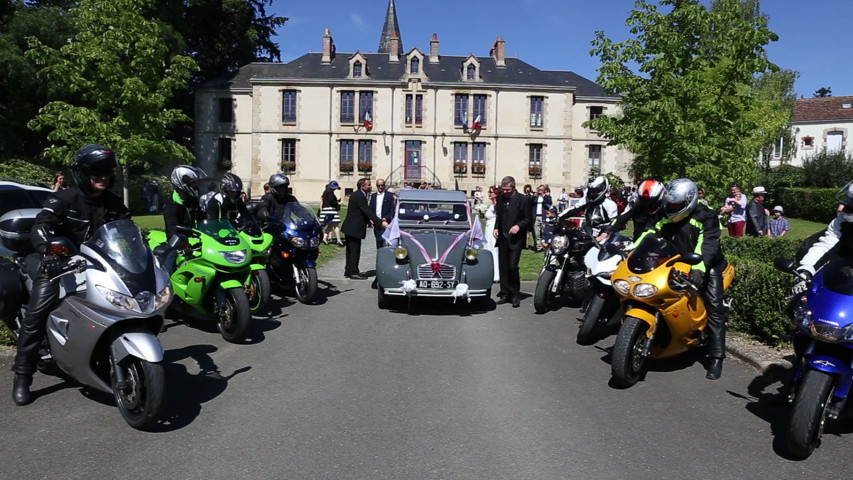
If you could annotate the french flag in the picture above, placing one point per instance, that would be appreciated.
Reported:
(476, 126)
(368, 120)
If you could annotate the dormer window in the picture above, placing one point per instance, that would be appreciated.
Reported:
(471, 72)
(415, 66)
(356, 70)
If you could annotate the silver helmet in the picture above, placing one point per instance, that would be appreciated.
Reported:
(185, 179)
(597, 188)
(680, 199)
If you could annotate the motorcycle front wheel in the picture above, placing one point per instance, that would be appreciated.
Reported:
(543, 297)
(809, 413)
(259, 291)
(233, 321)
(589, 331)
(141, 401)
(628, 359)
(306, 284)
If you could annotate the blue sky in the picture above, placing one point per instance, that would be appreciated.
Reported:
(815, 37)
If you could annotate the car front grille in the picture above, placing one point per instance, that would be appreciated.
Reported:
(445, 271)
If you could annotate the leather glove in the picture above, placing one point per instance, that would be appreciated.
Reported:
(801, 285)
(697, 278)
(50, 266)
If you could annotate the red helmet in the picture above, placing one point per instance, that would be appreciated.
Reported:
(650, 195)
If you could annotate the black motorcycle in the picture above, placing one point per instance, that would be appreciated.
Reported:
(564, 272)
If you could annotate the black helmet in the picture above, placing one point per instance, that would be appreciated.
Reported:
(93, 159)
(279, 180)
(230, 186)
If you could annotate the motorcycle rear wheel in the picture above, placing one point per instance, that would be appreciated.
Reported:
(543, 297)
(259, 291)
(306, 286)
(140, 403)
(237, 316)
(808, 414)
(589, 331)
(628, 359)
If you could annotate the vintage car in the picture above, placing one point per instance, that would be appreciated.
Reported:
(433, 250)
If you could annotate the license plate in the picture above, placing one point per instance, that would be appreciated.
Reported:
(437, 283)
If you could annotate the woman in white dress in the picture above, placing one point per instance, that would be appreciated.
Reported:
(491, 217)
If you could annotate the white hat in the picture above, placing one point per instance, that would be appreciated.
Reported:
(778, 208)
(757, 190)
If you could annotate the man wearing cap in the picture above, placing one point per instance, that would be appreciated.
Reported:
(778, 225)
(756, 215)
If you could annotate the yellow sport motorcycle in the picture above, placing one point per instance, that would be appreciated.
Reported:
(664, 312)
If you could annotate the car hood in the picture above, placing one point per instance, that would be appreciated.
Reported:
(436, 244)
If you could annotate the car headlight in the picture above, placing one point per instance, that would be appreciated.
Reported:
(559, 243)
(622, 287)
(298, 242)
(236, 256)
(117, 299)
(643, 290)
(163, 298)
(471, 253)
(401, 253)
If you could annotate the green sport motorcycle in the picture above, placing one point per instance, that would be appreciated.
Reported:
(260, 243)
(213, 275)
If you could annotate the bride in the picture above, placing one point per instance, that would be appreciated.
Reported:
(490, 227)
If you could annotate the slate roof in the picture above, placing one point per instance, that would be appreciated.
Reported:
(822, 109)
(447, 70)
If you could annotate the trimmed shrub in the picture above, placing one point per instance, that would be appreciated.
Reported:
(815, 204)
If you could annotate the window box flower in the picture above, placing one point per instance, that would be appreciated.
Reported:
(225, 164)
(534, 171)
(478, 169)
(365, 167)
(288, 166)
(460, 168)
(347, 167)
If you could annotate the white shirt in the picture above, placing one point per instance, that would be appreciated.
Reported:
(380, 196)
(539, 202)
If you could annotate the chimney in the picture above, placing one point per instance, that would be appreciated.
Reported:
(433, 49)
(328, 48)
(394, 50)
(499, 53)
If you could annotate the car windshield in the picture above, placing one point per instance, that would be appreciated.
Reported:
(652, 252)
(12, 199)
(297, 216)
(444, 213)
(121, 242)
(838, 277)
(221, 230)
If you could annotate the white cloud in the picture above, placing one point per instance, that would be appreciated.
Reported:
(357, 21)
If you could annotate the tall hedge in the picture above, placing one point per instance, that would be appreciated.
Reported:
(815, 204)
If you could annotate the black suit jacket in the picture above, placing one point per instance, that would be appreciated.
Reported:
(358, 215)
(513, 211)
(387, 213)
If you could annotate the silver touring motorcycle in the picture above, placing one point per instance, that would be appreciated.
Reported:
(103, 331)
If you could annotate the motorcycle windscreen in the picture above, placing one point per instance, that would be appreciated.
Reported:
(652, 252)
(299, 217)
(122, 245)
(838, 276)
(220, 230)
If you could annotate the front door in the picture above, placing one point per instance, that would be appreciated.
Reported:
(413, 160)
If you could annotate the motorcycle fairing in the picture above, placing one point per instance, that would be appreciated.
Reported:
(842, 372)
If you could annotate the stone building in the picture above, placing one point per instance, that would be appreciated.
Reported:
(411, 117)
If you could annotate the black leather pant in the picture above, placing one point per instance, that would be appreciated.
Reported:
(718, 313)
(33, 327)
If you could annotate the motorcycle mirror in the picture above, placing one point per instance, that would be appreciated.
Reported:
(691, 258)
(612, 248)
(785, 265)
(178, 241)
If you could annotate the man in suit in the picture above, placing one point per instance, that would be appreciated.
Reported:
(354, 227)
(381, 203)
(513, 220)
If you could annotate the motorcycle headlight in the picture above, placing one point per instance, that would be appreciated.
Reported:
(559, 243)
(471, 253)
(401, 253)
(801, 316)
(315, 241)
(163, 298)
(297, 242)
(118, 300)
(236, 256)
(622, 287)
(643, 290)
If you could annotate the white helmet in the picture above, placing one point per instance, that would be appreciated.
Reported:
(597, 188)
(681, 197)
(650, 195)
(185, 179)
(845, 195)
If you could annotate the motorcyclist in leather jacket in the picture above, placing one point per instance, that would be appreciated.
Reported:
(693, 227)
(645, 212)
(227, 204)
(598, 209)
(274, 204)
(184, 208)
(75, 213)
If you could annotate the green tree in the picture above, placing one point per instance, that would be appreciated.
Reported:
(120, 71)
(776, 95)
(689, 109)
(823, 92)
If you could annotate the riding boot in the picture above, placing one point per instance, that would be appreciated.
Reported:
(715, 368)
(21, 389)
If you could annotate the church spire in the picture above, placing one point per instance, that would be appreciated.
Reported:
(389, 29)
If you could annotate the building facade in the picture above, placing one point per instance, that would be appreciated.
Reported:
(412, 118)
(818, 125)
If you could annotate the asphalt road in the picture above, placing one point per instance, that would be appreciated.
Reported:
(343, 390)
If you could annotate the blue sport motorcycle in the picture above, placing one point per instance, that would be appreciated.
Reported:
(293, 259)
(823, 341)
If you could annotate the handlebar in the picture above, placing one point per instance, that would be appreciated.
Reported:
(684, 280)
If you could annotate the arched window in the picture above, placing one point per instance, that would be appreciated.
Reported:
(471, 73)
(356, 70)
